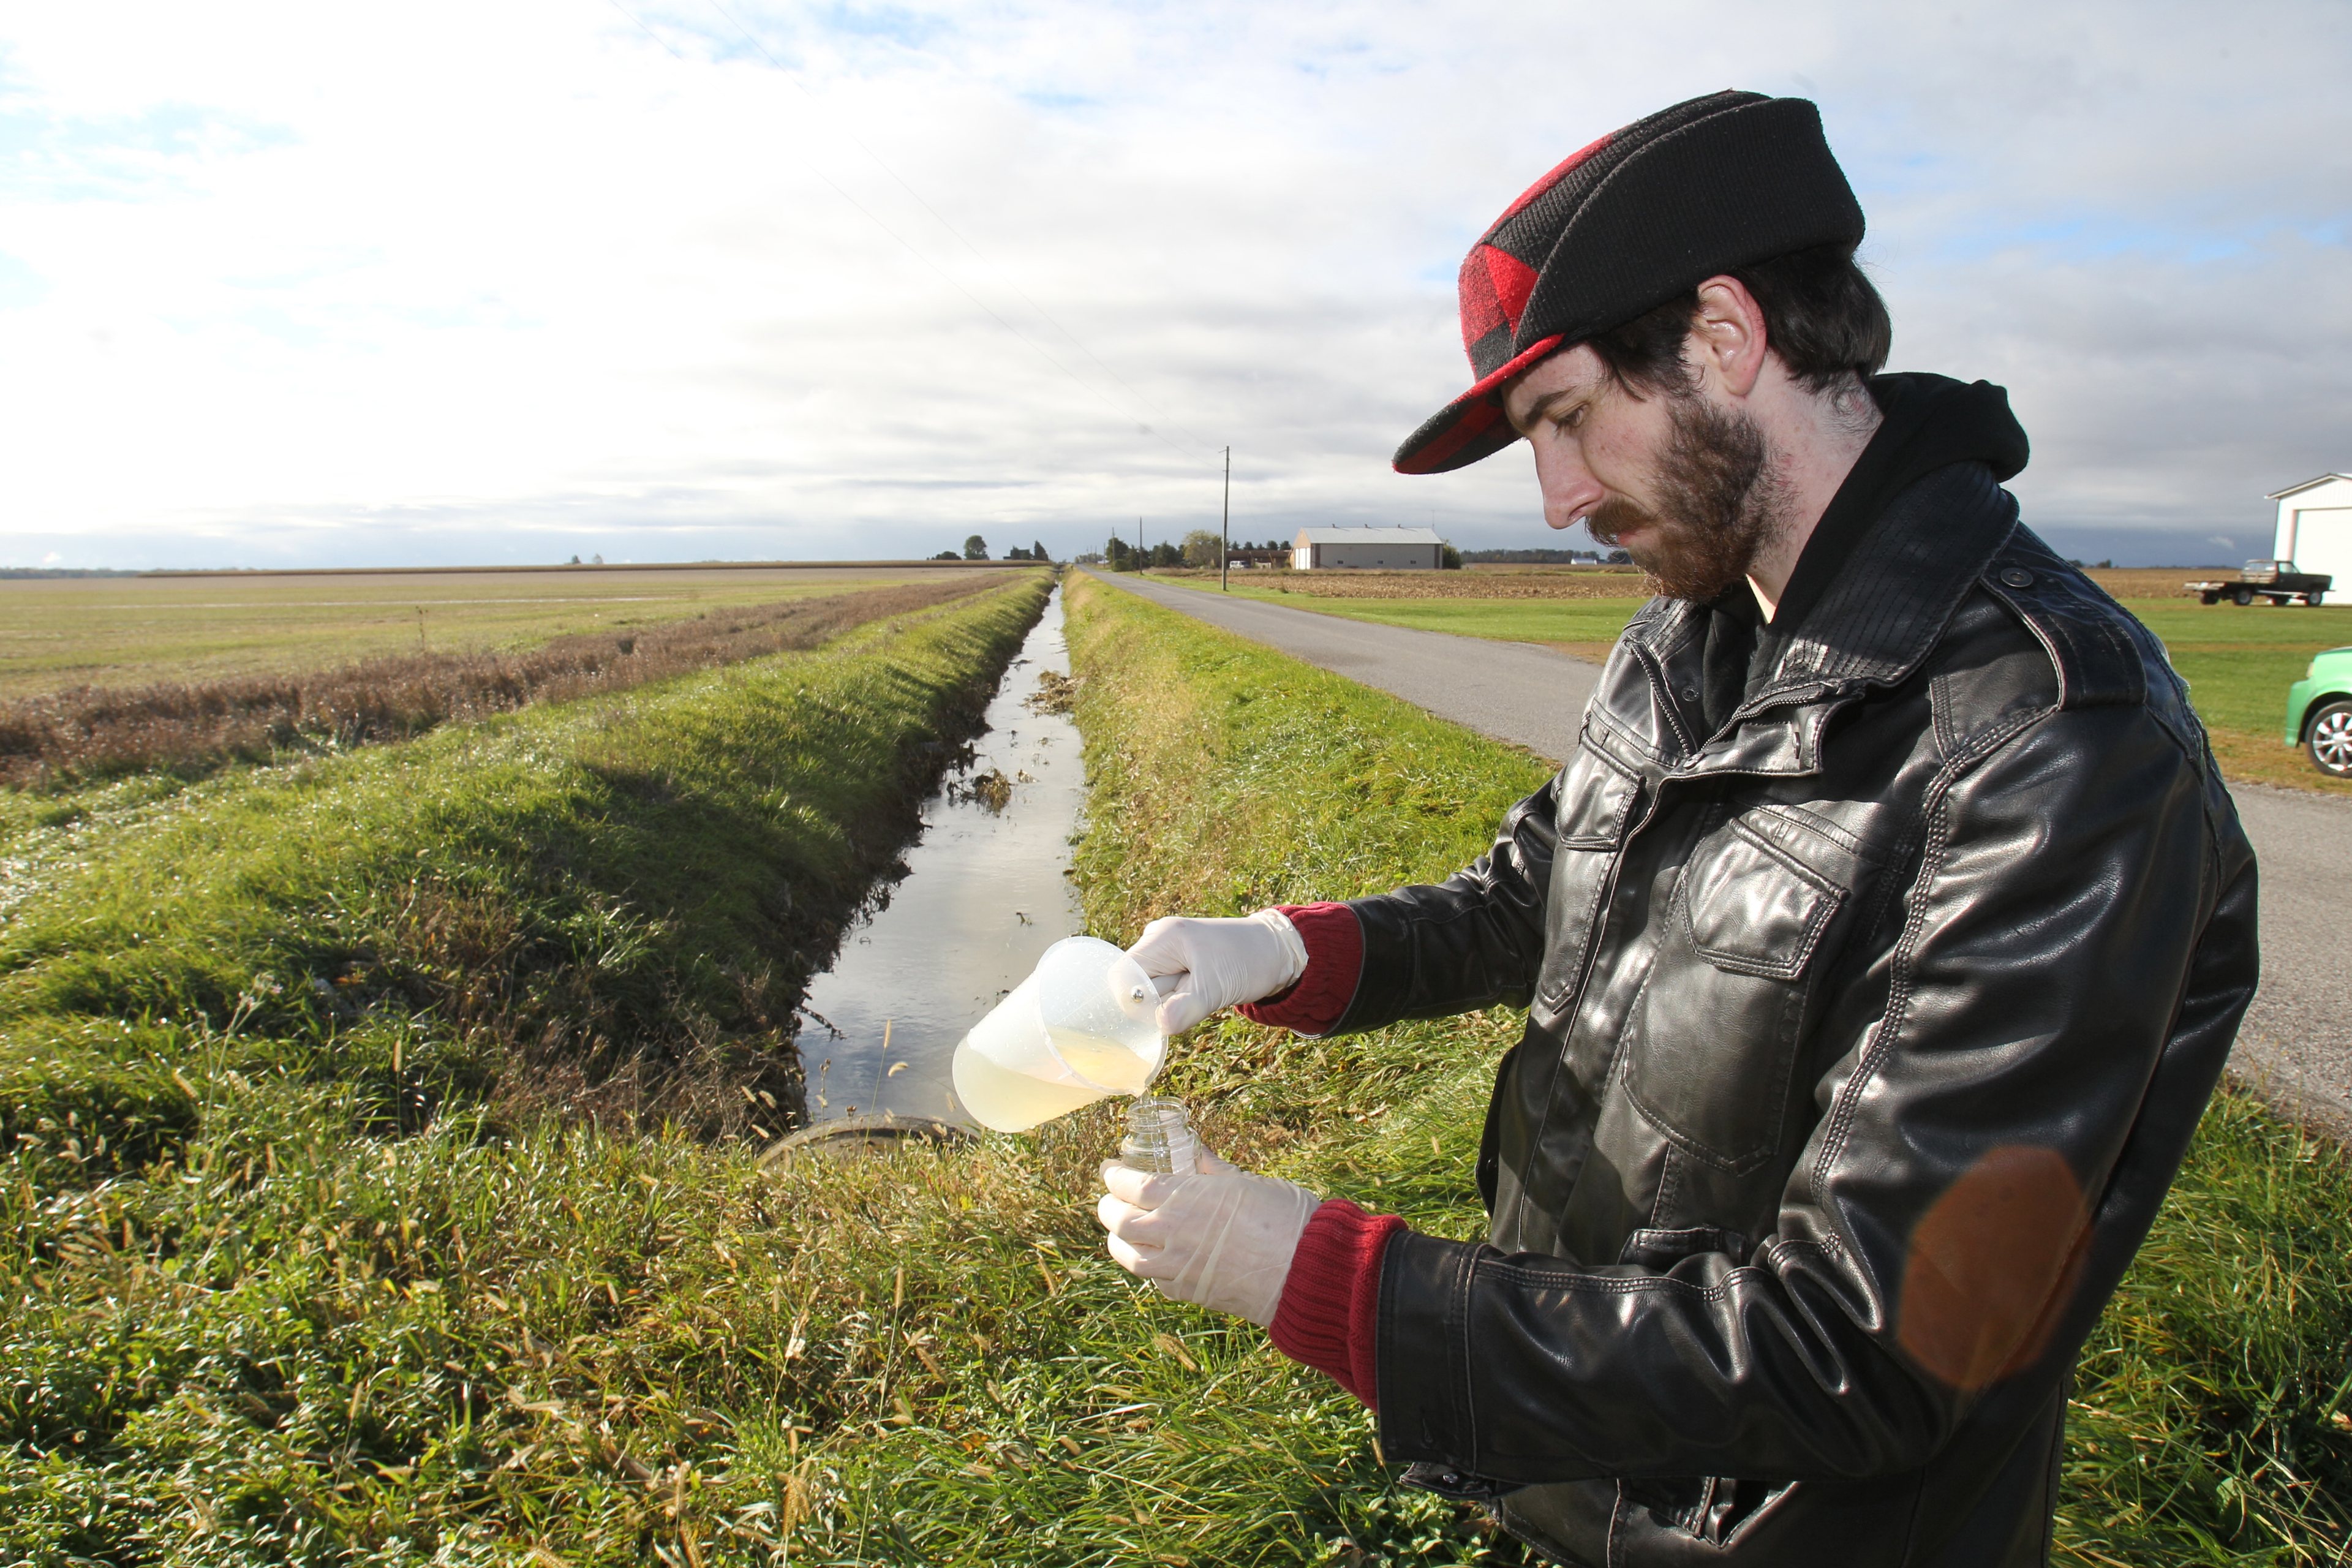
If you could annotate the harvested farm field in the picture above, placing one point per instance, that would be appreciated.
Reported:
(59, 632)
(99, 730)
(2151, 582)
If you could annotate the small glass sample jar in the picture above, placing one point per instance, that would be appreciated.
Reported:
(1159, 1137)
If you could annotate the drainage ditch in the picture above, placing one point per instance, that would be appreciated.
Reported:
(983, 893)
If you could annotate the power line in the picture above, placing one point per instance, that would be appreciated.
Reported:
(948, 278)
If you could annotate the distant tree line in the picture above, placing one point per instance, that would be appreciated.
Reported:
(975, 548)
(1544, 557)
(1201, 548)
(1121, 556)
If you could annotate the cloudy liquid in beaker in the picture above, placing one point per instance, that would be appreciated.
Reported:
(1015, 1101)
(1111, 1063)
(1082, 1027)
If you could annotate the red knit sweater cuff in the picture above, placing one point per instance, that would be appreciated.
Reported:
(1317, 999)
(1330, 1314)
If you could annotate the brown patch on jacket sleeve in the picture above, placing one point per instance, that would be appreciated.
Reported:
(1990, 1263)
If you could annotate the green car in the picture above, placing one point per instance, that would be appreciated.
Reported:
(2319, 712)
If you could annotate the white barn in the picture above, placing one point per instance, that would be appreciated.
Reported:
(2315, 528)
(1391, 549)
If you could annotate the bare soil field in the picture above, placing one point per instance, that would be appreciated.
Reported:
(61, 632)
(2151, 582)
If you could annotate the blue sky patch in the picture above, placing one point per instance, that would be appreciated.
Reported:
(19, 285)
(136, 157)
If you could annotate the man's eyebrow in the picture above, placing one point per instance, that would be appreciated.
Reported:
(1542, 406)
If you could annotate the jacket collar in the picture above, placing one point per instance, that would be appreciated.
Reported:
(1874, 623)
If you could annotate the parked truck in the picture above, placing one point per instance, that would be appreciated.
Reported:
(2276, 581)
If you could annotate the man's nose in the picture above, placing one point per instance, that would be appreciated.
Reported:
(1570, 490)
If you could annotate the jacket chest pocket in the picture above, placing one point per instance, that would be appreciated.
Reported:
(1713, 1038)
(1596, 798)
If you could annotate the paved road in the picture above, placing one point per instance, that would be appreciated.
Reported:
(2296, 1044)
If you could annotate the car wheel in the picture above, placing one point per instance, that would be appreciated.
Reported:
(2242, 597)
(2210, 598)
(2313, 599)
(2331, 740)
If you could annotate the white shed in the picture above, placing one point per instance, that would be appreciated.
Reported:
(2315, 528)
(1392, 548)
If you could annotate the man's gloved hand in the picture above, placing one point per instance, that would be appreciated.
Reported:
(1201, 965)
(1217, 1237)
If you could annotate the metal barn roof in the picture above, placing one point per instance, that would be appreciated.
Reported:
(1369, 536)
(2307, 484)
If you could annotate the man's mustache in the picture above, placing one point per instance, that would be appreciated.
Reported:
(1614, 517)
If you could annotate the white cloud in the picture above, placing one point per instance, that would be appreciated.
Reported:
(294, 283)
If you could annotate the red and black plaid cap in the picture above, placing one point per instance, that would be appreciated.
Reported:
(1640, 217)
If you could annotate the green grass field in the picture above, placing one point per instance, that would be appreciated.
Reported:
(1584, 627)
(125, 631)
(2238, 661)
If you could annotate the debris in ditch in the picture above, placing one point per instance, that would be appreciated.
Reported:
(1055, 693)
(992, 789)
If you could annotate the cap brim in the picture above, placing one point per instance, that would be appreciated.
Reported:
(1472, 427)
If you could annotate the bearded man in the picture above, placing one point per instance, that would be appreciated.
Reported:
(1881, 941)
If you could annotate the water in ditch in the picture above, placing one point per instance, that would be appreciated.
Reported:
(983, 895)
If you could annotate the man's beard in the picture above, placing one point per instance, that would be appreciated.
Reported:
(1716, 508)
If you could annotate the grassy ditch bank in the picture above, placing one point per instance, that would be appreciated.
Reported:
(598, 894)
(336, 1099)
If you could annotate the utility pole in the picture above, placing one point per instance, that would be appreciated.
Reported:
(1225, 553)
(1140, 561)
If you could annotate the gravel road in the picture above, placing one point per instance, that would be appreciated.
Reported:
(2296, 1045)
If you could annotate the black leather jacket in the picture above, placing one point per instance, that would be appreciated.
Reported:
(1865, 1035)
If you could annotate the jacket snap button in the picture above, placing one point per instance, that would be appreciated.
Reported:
(2017, 577)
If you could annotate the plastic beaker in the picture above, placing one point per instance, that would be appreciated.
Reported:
(1082, 1027)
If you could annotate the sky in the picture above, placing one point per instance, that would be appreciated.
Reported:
(353, 285)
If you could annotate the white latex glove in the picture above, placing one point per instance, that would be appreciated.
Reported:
(1217, 1237)
(1200, 966)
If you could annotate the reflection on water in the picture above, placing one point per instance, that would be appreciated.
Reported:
(984, 896)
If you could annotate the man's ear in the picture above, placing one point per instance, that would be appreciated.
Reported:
(1727, 337)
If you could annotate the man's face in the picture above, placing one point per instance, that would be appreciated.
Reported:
(1677, 480)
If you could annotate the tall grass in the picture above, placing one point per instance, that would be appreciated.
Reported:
(86, 733)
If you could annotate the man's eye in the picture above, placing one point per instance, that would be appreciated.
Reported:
(1573, 419)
